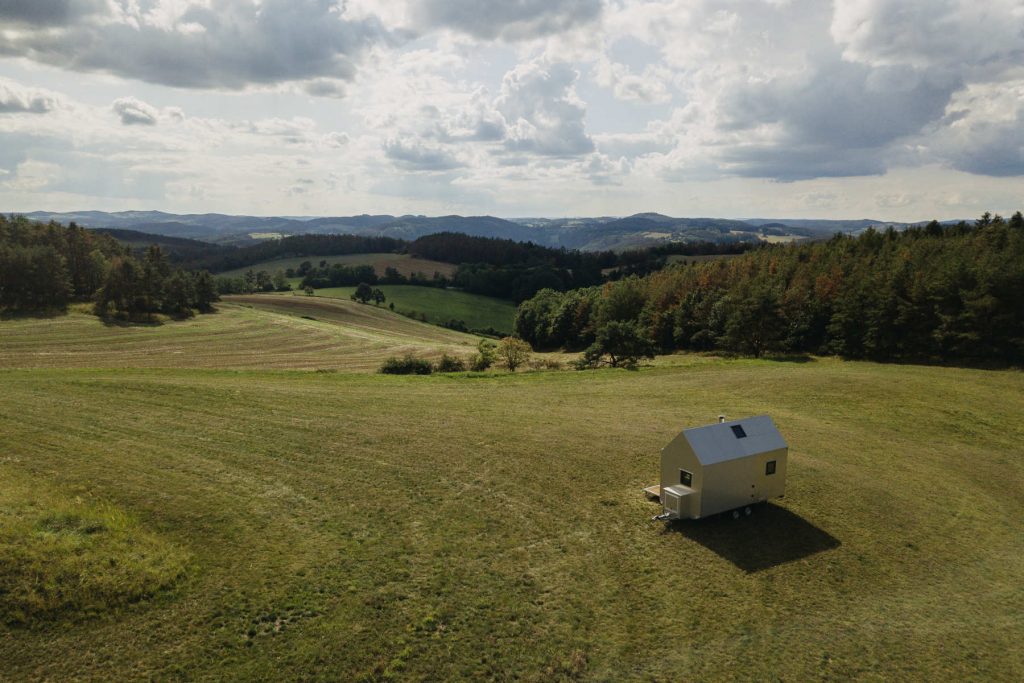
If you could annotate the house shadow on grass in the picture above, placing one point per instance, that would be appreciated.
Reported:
(771, 536)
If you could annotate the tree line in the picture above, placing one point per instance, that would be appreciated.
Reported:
(456, 247)
(46, 266)
(341, 275)
(490, 266)
(136, 289)
(650, 259)
(931, 293)
(253, 281)
(518, 270)
(448, 247)
(297, 245)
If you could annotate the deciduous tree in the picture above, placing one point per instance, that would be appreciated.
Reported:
(513, 353)
(622, 342)
(363, 293)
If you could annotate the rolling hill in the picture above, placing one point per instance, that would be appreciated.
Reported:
(439, 306)
(226, 229)
(591, 234)
(176, 248)
(201, 506)
(649, 228)
(257, 331)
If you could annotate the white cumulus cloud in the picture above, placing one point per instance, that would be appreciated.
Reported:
(229, 44)
(134, 112)
(543, 113)
(16, 98)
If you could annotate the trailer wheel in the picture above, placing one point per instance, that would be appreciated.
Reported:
(747, 511)
(735, 514)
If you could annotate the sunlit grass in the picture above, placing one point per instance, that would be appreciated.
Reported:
(64, 558)
(442, 305)
(425, 528)
(260, 331)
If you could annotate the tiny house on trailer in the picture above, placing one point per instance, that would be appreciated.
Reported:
(722, 467)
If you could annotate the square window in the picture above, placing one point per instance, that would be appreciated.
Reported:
(769, 467)
(685, 478)
(738, 431)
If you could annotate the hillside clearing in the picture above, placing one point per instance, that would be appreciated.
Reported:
(344, 526)
(441, 305)
(405, 264)
(255, 331)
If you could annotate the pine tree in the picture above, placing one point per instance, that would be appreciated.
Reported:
(179, 294)
(204, 291)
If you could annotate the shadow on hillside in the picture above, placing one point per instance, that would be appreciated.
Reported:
(771, 536)
(156, 320)
(33, 315)
(120, 322)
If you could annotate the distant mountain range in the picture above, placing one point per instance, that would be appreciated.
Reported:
(642, 229)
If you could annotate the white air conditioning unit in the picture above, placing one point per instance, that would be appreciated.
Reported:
(670, 501)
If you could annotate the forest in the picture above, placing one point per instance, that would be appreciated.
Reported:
(931, 293)
(44, 267)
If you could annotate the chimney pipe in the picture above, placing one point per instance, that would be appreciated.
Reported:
(721, 419)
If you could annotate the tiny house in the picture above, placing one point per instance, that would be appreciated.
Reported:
(727, 466)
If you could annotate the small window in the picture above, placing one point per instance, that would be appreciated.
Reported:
(685, 478)
(769, 467)
(738, 431)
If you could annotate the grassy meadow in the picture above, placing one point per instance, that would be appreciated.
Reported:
(251, 331)
(406, 264)
(440, 305)
(437, 305)
(191, 501)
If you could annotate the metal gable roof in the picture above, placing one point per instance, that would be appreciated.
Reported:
(717, 443)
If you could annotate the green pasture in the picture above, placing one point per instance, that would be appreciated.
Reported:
(406, 264)
(173, 520)
(441, 305)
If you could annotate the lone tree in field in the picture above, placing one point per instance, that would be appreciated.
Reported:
(378, 297)
(363, 293)
(513, 352)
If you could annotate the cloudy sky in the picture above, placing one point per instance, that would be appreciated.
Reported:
(891, 109)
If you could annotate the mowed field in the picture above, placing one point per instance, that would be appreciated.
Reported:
(438, 305)
(252, 331)
(441, 305)
(199, 523)
(405, 264)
